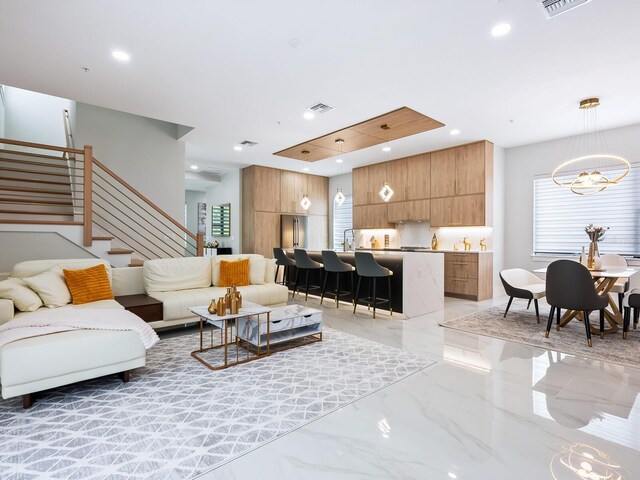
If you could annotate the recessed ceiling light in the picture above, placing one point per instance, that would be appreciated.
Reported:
(306, 169)
(500, 29)
(308, 115)
(386, 149)
(453, 475)
(238, 148)
(194, 167)
(339, 160)
(455, 131)
(120, 55)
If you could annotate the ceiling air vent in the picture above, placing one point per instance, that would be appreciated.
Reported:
(320, 108)
(247, 143)
(556, 7)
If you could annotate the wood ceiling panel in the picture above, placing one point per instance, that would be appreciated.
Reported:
(403, 122)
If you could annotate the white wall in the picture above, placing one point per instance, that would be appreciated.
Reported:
(522, 165)
(229, 190)
(2, 114)
(143, 151)
(35, 117)
(498, 237)
(191, 200)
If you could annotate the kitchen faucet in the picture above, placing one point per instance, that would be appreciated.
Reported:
(344, 239)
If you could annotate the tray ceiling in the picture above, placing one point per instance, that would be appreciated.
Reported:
(402, 122)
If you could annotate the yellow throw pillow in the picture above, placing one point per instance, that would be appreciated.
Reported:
(88, 285)
(234, 273)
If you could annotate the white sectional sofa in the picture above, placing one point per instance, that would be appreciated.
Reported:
(39, 363)
(180, 283)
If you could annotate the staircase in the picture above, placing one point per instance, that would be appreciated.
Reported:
(66, 187)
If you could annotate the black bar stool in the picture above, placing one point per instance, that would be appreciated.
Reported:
(333, 264)
(304, 262)
(366, 266)
(631, 301)
(283, 260)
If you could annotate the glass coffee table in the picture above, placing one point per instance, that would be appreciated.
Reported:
(255, 332)
(228, 343)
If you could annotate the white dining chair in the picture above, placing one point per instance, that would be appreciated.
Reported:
(609, 261)
(520, 283)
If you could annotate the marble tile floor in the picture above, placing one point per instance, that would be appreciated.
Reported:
(489, 409)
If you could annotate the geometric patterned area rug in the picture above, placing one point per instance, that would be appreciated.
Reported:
(520, 326)
(178, 419)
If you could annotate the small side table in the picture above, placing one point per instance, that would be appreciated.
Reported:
(147, 308)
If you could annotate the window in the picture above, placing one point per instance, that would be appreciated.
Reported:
(342, 220)
(559, 217)
(221, 220)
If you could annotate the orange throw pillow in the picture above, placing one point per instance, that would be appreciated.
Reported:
(234, 273)
(88, 285)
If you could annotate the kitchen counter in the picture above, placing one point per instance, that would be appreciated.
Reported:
(420, 250)
(417, 283)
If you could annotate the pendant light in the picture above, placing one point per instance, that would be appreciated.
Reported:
(339, 197)
(305, 203)
(591, 157)
(386, 192)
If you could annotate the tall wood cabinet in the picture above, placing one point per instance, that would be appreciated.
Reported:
(268, 193)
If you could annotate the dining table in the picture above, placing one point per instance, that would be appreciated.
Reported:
(604, 279)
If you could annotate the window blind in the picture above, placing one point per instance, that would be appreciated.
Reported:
(342, 220)
(559, 216)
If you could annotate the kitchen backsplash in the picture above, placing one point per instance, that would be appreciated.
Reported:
(419, 234)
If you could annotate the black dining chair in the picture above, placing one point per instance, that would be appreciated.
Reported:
(631, 301)
(285, 261)
(306, 264)
(333, 264)
(570, 286)
(367, 267)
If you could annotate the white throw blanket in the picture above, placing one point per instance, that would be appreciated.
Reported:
(54, 320)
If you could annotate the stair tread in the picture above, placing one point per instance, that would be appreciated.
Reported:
(101, 238)
(119, 251)
(136, 263)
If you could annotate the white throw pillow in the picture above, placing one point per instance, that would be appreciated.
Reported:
(24, 299)
(257, 266)
(51, 287)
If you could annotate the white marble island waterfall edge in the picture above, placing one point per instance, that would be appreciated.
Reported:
(422, 283)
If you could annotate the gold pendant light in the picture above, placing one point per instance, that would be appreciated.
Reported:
(386, 192)
(339, 197)
(582, 174)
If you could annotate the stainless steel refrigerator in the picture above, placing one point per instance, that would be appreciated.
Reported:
(294, 231)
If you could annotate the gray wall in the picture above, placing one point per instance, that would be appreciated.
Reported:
(191, 200)
(21, 246)
(227, 191)
(2, 115)
(142, 151)
(35, 117)
(522, 165)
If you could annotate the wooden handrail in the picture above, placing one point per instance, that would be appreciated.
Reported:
(87, 200)
(144, 199)
(41, 146)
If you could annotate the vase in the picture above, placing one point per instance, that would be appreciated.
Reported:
(213, 307)
(593, 259)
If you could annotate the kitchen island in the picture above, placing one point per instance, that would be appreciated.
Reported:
(417, 284)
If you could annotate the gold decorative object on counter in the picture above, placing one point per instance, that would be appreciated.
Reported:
(213, 308)
(221, 307)
(483, 244)
(456, 247)
(434, 242)
(467, 244)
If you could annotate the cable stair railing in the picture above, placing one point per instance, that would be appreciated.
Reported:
(44, 184)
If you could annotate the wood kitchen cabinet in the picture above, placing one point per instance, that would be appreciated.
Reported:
(459, 211)
(413, 210)
(468, 275)
(269, 192)
(370, 216)
(292, 187)
(317, 189)
(360, 185)
(443, 173)
(462, 170)
(418, 185)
